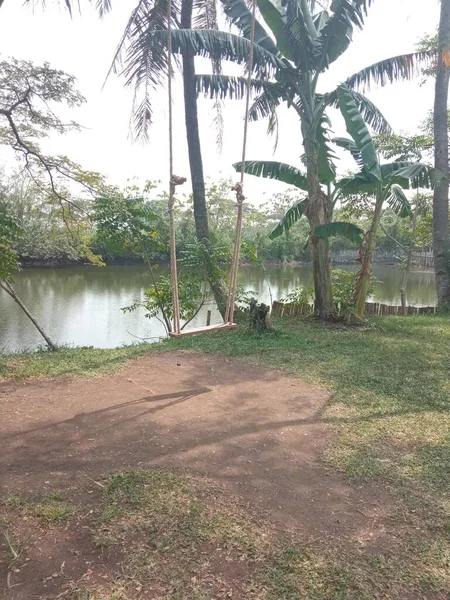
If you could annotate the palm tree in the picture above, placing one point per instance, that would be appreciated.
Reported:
(147, 73)
(441, 243)
(303, 41)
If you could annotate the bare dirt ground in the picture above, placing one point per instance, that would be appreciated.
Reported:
(253, 431)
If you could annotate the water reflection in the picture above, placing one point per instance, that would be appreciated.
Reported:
(81, 305)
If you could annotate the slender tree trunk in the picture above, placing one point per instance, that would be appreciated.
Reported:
(441, 244)
(409, 254)
(196, 164)
(319, 213)
(5, 286)
(367, 251)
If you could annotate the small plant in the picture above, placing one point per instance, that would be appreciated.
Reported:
(191, 295)
(301, 297)
(343, 286)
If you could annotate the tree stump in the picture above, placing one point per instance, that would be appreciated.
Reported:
(259, 316)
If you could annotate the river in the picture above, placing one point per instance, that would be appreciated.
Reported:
(80, 306)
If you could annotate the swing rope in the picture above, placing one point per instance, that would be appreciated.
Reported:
(175, 180)
(239, 187)
(171, 201)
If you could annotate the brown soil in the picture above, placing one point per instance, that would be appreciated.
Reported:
(254, 431)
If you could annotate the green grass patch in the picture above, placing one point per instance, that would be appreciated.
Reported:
(49, 507)
(71, 362)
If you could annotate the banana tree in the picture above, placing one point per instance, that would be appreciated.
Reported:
(385, 182)
(296, 41)
(296, 178)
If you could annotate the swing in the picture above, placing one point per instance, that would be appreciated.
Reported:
(174, 180)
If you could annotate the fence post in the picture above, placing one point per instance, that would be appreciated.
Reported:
(403, 301)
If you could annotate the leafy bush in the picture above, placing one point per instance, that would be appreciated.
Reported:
(301, 297)
(343, 285)
(159, 297)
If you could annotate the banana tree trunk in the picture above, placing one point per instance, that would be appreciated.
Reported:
(441, 244)
(218, 287)
(367, 251)
(319, 213)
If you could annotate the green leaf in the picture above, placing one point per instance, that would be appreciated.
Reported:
(369, 112)
(415, 175)
(398, 201)
(239, 14)
(348, 230)
(397, 68)
(276, 23)
(359, 131)
(274, 170)
(336, 35)
(327, 169)
(350, 145)
(359, 183)
(231, 87)
(293, 214)
(213, 44)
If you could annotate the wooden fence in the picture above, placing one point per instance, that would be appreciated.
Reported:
(423, 258)
(280, 309)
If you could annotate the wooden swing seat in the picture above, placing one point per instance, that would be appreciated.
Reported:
(207, 329)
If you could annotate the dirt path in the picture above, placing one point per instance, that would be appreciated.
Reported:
(255, 430)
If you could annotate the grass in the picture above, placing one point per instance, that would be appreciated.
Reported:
(179, 537)
(71, 362)
(49, 507)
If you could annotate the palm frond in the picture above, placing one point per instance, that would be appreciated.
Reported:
(274, 170)
(397, 68)
(342, 229)
(266, 103)
(228, 86)
(350, 145)
(239, 14)
(358, 130)
(103, 7)
(205, 14)
(209, 43)
(273, 128)
(398, 201)
(293, 214)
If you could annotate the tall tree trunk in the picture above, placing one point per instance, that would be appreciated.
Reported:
(5, 286)
(319, 213)
(367, 251)
(441, 244)
(196, 164)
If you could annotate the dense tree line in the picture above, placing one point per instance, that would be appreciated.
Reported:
(46, 240)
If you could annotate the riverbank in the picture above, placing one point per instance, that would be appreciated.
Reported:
(381, 408)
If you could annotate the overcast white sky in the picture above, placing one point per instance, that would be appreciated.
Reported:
(85, 45)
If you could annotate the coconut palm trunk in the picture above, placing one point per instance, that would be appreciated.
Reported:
(441, 242)
(202, 232)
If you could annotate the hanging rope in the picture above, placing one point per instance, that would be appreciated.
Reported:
(174, 180)
(239, 187)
